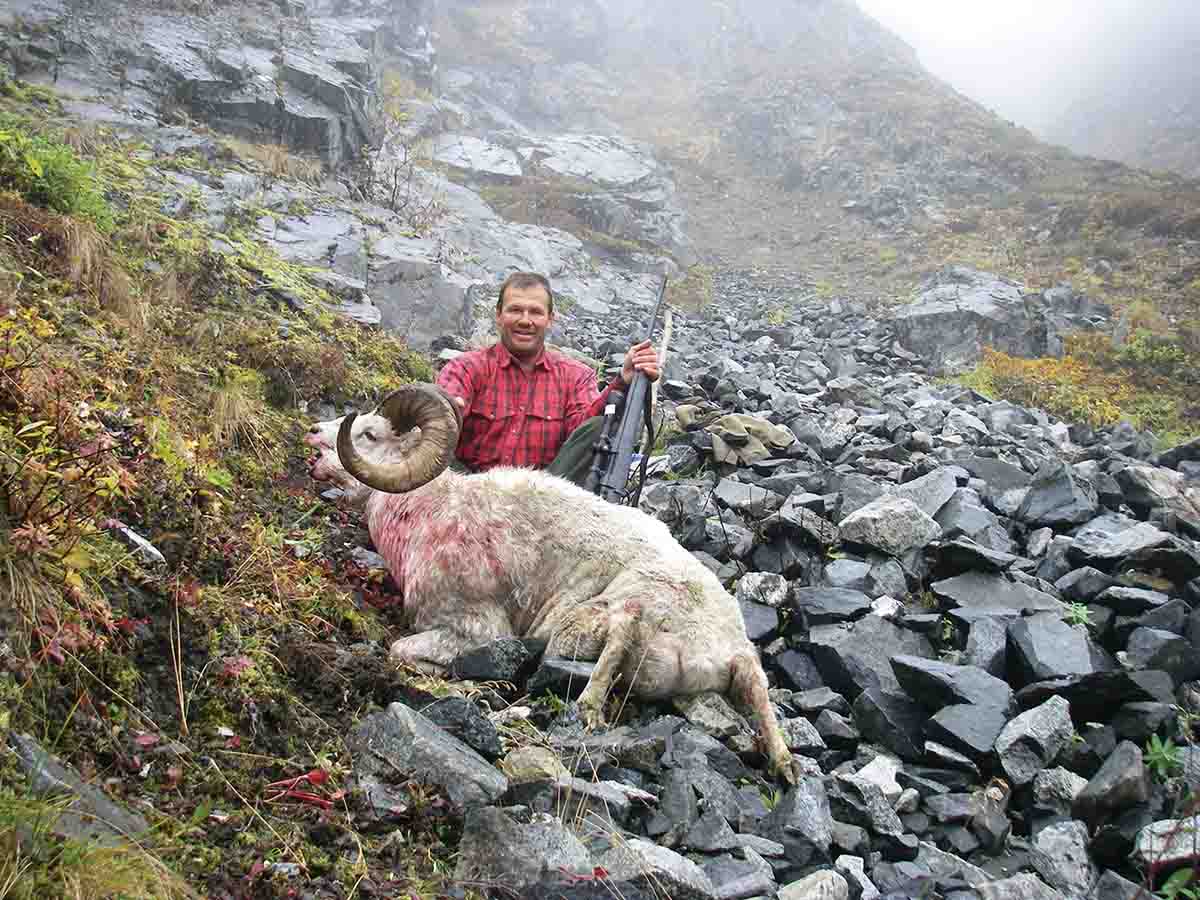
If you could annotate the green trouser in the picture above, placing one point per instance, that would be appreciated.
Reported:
(574, 459)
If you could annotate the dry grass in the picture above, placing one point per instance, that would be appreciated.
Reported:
(37, 863)
(79, 253)
(278, 161)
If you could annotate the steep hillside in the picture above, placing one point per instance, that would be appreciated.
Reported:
(808, 138)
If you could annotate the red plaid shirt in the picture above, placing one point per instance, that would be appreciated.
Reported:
(515, 419)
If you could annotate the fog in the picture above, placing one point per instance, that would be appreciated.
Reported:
(1029, 60)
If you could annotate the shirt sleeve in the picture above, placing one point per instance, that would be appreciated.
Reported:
(586, 402)
(455, 378)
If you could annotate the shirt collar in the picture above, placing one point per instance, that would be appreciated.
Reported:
(505, 358)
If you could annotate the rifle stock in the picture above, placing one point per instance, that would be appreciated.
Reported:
(624, 418)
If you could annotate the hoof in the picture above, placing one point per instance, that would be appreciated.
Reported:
(786, 770)
(593, 716)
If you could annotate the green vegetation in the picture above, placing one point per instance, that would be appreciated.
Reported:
(1162, 757)
(1150, 381)
(152, 378)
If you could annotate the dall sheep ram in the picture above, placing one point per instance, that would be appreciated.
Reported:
(518, 552)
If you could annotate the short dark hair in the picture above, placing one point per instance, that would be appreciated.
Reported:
(522, 280)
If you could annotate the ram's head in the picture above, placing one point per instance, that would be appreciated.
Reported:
(404, 443)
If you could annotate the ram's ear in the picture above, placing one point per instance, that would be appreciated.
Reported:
(413, 406)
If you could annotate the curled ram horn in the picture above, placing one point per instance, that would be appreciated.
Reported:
(421, 406)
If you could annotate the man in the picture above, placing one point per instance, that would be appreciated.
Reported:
(524, 405)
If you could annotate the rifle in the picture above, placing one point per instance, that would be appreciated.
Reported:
(625, 415)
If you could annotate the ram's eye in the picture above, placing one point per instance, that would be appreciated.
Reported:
(369, 435)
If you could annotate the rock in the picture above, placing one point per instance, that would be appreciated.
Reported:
(853, 869)
(476, 155)
(1110, 537)
(1127, 601)
(888, 717)
(400, 743)
(854, 657)
(1112, 886)
(1058, 497)
(532, 763)
(746, 499)
(1055, 790)
(987, 645)
(508, 659)
(802, 822)
(712, 713)
(504, 847)
(1153, 648)
(1083, 585)
(89, 815)
(959, 312)
(1094, 697)
(565, 678)
(982, 591)
(823, 885)
(1032, 740)
(657, 869)
(1168, 843)
(801, 737)
(929, 492)
(1148, 488)
(1121, 783)
(735, 878)
(762, 622)
(464, 720)
(1044, 646)
(1060, 856)
(828, 605)
(936, 684)
(762, 587)
(969, 729)
(893, 525)
(1024, 886)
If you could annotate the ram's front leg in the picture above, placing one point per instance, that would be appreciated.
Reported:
(619, 643)
(430, 652)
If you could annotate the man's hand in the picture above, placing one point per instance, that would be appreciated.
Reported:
(640, 358)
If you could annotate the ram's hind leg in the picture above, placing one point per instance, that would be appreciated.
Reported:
(618, 645)
(748, 690)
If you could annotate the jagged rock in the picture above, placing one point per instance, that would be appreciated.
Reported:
(1153, 648)
(400, 742)
(89, 816)
(1044, 646)
(982, 591)
(1055, 790)
(857, 656)
(802, 822)
(823, 885)
(1084, 585)
(967, 728)
(1094, 697)
(1169, 843)
(1121, 783)
(1149, 488)
(893, 525)
(1128, 601)
(507, 659)
(929, 492)
(1060, 856)
(828, 605)
(888, 717)
(1024, 886)
(853, 870)
(514, 849)
(1112, 886)
(937, 684)
(762, 622)
(463, 719)
(801, 737)
(769, 588)
(746, 499)
(735, 878)
(959, 312)
(987, 645)
(563, 677)
(657, 868)
(1112, 537)
(1058, 497)
(1032, 740)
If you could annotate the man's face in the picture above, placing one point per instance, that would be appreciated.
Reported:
(522, 320)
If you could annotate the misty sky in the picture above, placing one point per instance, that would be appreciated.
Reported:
(1029, 59)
